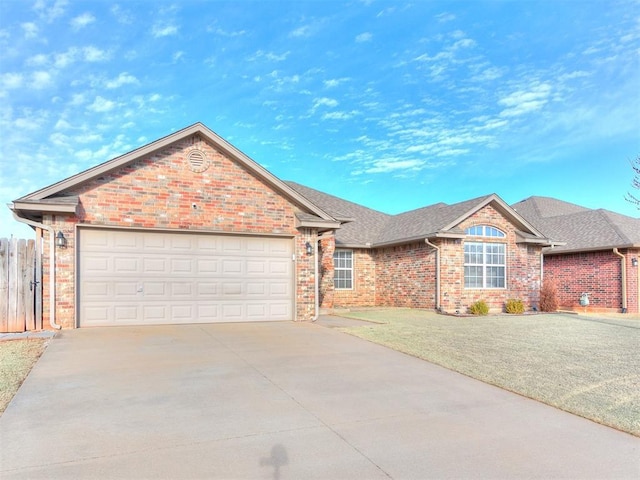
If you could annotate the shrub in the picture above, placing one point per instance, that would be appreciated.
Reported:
(548, 296)
(479, 308)
(514, 305)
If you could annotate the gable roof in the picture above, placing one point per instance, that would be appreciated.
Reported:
(371, 228)
(579, 228)
(52, 198)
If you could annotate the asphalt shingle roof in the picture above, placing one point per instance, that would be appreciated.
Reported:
(371, 227)
(579, 227)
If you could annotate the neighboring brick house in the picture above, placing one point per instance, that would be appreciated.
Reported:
(189, 229)
(595, 252)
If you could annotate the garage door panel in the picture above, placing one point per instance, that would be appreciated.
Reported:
(125, 290)
(129, 277)
(207, 289)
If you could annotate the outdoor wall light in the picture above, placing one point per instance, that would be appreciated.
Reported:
(61, 241)
(309, 248)
(634, 261)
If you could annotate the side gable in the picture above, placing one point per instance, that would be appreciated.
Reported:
(61, 197)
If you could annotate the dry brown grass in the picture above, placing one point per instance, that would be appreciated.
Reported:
(17, 357)
(584, 365)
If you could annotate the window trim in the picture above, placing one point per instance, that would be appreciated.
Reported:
(343, 269)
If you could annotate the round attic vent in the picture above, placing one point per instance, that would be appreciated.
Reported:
(197, 160)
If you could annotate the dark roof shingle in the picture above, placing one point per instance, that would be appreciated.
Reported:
(580, 228)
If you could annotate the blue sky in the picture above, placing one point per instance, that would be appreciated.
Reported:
(392, 105)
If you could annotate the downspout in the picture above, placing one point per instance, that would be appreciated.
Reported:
(437, 249)
(623, 266)
(52, 266)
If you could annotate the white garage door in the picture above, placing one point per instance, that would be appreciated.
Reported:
(131, 277)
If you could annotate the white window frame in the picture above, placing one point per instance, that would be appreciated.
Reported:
(347, 266)
(484, 261)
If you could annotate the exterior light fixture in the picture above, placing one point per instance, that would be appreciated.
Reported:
(309, 248)
(61, 241)
(634, 261)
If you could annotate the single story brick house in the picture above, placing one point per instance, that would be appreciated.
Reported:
(189, 229)
(598, 255)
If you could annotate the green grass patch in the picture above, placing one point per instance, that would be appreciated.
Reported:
(584, 366)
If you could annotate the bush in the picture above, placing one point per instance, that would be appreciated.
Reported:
(479, 308)
(548, 296)
(514, 305)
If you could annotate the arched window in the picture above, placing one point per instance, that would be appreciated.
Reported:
(485, 263)
(484, 231)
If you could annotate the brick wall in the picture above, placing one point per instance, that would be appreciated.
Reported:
(160, 191)
(363, 293)
(597, 273)
(406, 276)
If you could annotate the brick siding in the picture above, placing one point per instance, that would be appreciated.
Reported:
(159, 191)
(597, 273)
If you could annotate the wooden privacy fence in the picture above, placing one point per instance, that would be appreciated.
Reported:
(20, 286)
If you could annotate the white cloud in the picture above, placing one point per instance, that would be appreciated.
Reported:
(393, 165)
(445, 17)
(522, 102)
(303, 31)
(225, 33)
(122, 16)
(338, 115)
(324, 102)
(30, 29)
(41, 80)
(49, 11)
(164, 30)
(101, 104)
(77, 99)
(364, 37)
(10, 81)
(122, 79)
(274, 57)
(37, 60)
(82, 21)
(93, 54)
(334, 82)
(177, 56)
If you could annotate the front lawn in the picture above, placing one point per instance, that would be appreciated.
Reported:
(582, 365)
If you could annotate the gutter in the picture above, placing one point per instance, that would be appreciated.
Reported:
(52, 266)
(623, 266)
(426, 240)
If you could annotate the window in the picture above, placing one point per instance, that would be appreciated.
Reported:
(343, 269)
(484, 265)
(485, 231)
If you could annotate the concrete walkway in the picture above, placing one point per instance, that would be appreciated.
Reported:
(281, 401)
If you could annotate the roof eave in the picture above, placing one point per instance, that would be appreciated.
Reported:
(552, 251)
(43, 207)
(321, 224)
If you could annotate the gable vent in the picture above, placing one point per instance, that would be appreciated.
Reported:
(197, 161)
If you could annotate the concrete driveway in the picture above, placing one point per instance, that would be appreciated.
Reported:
(281, 401)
